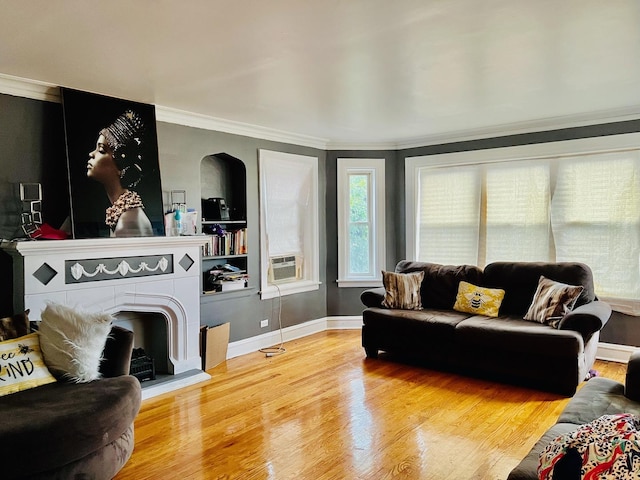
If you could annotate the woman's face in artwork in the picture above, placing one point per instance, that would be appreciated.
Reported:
(101, 165)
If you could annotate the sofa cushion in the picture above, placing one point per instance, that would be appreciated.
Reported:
(478, 300)
(402, 290)
(425, 325)
(44, 419)
(520, 281)
(440, 284)
(517, 335)
(599, 396)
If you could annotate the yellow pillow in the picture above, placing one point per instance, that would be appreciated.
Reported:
(478, 300)
(21, 365)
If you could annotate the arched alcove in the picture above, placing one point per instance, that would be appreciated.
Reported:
(225, 176)
(223, 187)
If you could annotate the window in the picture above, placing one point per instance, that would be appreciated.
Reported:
(576, 200)
(361, 246)
(596, 220)
(288, 222)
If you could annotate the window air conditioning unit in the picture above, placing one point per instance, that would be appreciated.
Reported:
(283, 268)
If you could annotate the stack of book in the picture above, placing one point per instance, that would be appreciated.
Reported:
(231, 243)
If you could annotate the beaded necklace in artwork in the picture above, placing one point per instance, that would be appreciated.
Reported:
(126, 201)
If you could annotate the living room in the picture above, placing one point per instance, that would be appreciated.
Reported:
(505, 115)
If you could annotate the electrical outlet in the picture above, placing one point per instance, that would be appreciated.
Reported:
(264, 323)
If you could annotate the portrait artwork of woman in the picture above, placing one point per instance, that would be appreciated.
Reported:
(116, 162)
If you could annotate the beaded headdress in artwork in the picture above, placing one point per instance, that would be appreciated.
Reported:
(126, 128)
(124, 136)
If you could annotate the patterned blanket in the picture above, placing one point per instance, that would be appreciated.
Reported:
(608, 447)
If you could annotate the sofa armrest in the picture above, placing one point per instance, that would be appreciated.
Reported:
(373, 297)
(116, 356)
(587, 319)
(632, 380)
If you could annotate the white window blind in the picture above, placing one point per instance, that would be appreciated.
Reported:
(288, 184)
(517, 212)
(289, 222)
(596, 219)
(448, 215)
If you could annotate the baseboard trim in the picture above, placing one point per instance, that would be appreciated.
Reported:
(612, 352)
(609, 352)
(253, 344)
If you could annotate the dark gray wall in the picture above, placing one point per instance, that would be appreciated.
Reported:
(32, 149)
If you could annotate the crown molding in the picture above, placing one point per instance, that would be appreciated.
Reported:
(519, 128)
(37, 90)
(189, 119)
(21, 87)
(362, 146)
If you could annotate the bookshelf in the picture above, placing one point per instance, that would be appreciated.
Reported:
(225, 254)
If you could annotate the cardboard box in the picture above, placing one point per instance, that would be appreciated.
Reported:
(213, 345)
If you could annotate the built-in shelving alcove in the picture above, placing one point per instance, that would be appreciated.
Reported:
(223, 181)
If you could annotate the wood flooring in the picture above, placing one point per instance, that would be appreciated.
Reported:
(323, 411)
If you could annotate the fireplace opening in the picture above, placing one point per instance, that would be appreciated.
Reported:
(151, 354)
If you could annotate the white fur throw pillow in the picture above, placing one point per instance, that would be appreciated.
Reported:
(72, 341)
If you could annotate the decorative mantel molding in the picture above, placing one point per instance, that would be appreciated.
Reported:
(79, 246)
(141, 267)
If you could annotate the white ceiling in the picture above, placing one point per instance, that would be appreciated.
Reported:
(342, 72)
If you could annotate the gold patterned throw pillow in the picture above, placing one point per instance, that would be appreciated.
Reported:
(402, 290)
(21, 365)
(552, 301)
(479, 300)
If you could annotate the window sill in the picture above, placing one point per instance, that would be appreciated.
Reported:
(626, 306)
(359, 283)
(272, 291)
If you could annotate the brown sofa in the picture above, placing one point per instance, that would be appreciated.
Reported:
(599, 396)
(506, 348)
(67, 430)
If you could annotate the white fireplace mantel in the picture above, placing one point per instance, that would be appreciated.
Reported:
(141, 274)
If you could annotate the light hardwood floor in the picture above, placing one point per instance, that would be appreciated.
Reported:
(323, 411)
